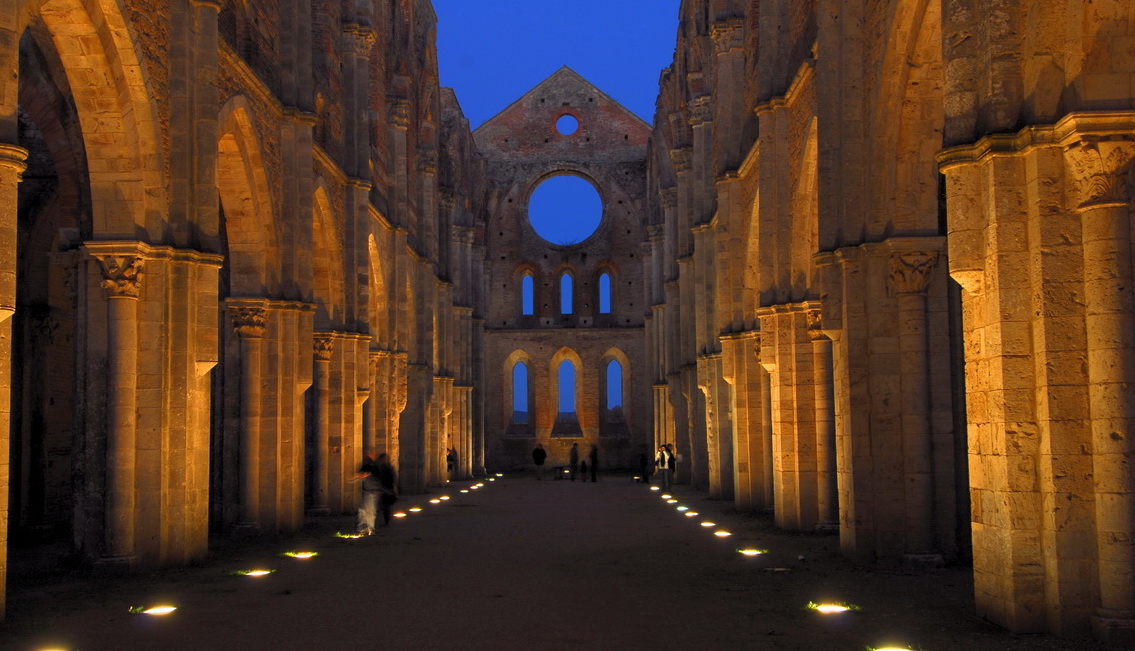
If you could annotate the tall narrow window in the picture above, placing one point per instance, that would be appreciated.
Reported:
(527, 295)
(565, 294)
(520, 393)
(605, 293)
(567, 390)
(614, 386)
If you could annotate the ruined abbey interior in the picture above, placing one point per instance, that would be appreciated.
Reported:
(870, 269)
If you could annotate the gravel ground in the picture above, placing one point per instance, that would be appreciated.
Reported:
(518, 564)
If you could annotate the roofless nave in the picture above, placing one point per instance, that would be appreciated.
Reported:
(870, 268)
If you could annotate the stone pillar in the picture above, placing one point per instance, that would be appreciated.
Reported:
(324, 348)
(827, 492)
(249, 321)
(11, 167)
(910, 276)
(1103, 167)
(122, 274)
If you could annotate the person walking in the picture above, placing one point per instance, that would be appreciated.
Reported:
(671, 463)
(662, 466)
(538, 457)
(573, 460)
(594, 456)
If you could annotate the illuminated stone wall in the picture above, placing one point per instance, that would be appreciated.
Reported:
(848, 202)
(245, 253)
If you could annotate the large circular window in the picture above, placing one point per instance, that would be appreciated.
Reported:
(565, 209)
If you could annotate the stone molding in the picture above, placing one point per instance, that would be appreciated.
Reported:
(324, 345)
(399, 112)
(728, 35)
(249, 322)
(669, 195)
(1102, 169)
(701, 111)
(462, 234)
(360, 38)
(427, 160)
(13, 157)
(911, 271)
(680, 159)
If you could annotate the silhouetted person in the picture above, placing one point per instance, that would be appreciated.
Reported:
(583, 471)
(643, 477)
(450, 461)
(538, 457)
(594, 456)
(573, 460)
(672, 463)
(380, 491)
(662, 466)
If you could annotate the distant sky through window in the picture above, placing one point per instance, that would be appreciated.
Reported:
(493, 51)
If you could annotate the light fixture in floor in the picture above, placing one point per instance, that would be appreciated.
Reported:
(153, 610)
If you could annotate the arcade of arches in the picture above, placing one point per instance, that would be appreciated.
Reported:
(870, 270)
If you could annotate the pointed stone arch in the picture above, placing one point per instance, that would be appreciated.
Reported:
(101, 56)
(250, 227)
(327, 262)
(378, 299)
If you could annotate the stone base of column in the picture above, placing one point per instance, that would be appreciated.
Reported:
(242, 530)
(1115, 630)
(113, 565)
(923, 561)
(318, 511)
(826, 528)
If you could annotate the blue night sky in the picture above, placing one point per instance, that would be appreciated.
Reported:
(491, 52)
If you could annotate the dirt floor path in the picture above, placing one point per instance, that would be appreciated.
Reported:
(518, 564)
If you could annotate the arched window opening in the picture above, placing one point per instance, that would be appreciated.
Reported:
(614, 391)
(565, 293)
(605, 293)
(567, 392)
(520, 393)
(527, 295)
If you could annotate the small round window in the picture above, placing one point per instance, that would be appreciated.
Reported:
(565, 209)
(567, 125)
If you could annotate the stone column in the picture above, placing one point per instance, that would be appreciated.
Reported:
(324, 349)
(911, 272)
(12, 166)
(249, 321)
(122, 277)
(827, 493)
(1102, 167)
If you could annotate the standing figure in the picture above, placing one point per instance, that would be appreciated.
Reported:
(368, 504)
(594, 456)
(388, 487)
(450, 462)
(662, 465)
(643, 477)
(671, 463)
(573, 460)
(538, 457)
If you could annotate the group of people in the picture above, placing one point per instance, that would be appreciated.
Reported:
(575, 464)
(664, 463)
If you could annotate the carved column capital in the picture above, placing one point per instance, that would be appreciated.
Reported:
(680, 159)
(427, 160)
(815, 324)
(911, 270)
(1102, 170)
(399, 112)
(360, 39)
(728, 35)
(323, 345)
(249, 321)
(122, 274)
(701, 111)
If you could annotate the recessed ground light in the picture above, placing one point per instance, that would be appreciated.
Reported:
(831, 608)
(301, 555)
(415, 509)
(435, 501)
(750, 551)
(692, 514)
(253, 572)
(153, 610)
(722, 533)
(683, 508)
(348, 536)
(707, 524)
(671, 501)
(653, 488)
(444, 497)
(400, 514)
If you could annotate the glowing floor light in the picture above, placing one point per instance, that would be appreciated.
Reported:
(464, 490)
(671, 501)
(692, 514)
(666, 496)
(500, 474)
(708, 524)
(750, 551)
(444, 497)
(415, 509)
(400, 514)
(831, 608)
(153, 610)
(653, 488)
(301, 555)
(253, 572)
(435, 501)
(348, 536)
(722, 533)
(683, 508)
(889, 648)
